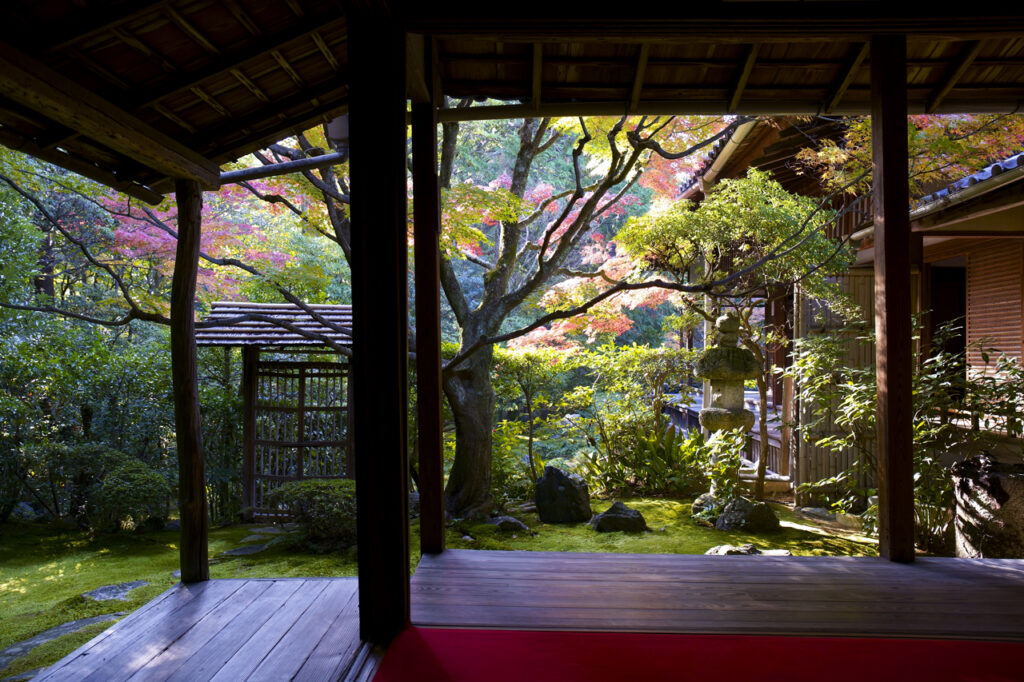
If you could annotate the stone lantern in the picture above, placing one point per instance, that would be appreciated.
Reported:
(727, 366)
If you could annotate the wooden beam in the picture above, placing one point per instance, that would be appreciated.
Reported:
(233, 60)
(76, 28)
(537, 76)
(638, 77)
(379, 317)
(250, 360)
(312, 163)
(194, 554)
(416, 70)
(893, 353)
(744, 76)
(427, 229)
(954, 76)
(852, 67)
(46, 92)
(83, 168)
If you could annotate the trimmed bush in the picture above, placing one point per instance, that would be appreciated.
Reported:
(326, 509)
(130, 495)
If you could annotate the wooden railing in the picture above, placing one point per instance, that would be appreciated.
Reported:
(856, 215)
(774, 452)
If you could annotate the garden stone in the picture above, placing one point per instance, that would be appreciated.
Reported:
(619, 517)
(508, 524)
(110, 592)
(468, 538)
(176, 574)
(25, 512)
(730, 550)
(742, 513)
(989, 520)
(16, 651)
(414, 504)
(745, 550)
(254, 538)
(172, 525)
(562, 497)
(243, 551)
(850, 521)
(269, 529)
(703, 503)
(817, 513)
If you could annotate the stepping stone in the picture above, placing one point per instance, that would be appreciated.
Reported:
(110, 592)
(268, 529)
(242, 551)
(18, 650)
(176, 574)
(255, 538)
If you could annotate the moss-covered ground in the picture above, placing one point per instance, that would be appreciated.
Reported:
(673, 531)
(44, 569)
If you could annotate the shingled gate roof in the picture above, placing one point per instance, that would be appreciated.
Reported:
(260, 324)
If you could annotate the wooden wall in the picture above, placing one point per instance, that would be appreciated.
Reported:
(995, 272)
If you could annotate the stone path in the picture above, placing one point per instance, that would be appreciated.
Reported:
(109, 592)
(21, 648)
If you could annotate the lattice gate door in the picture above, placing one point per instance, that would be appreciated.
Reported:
(300, 426)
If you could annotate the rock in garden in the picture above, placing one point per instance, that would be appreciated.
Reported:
(745, 550)
(173, 525)
(750, 516)
(817, 513)
(730, 550)
(414, 504)
(109, 592)
(989, 518)
(619, 517)
(242, 551)
(562, 497)
(703, 503)
(509, 524)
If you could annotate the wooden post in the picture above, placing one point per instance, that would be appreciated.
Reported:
(250, 360)
(786, 432)
(893, 356)
(427, 226)
(185, 384)
(376, 48)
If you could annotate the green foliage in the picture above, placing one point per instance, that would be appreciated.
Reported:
(741, 223)
(723, 455)
(620, 411)
(951, 403)
(131, 496)
(326, 509)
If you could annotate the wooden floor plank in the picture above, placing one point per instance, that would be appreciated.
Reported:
(337, 649)
(131, 621)
(111, 656)
(860, 596)
(292, 650)
(205, 663)
(251, 654)
(163, 663)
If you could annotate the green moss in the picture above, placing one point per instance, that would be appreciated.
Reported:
(50, 652)
(674, 532)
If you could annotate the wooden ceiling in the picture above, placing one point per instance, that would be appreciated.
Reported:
(133, 93)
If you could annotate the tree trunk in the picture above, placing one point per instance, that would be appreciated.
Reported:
(471, 397)
(762, 461)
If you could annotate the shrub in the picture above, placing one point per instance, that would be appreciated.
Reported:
(326, 509)
(130, 495)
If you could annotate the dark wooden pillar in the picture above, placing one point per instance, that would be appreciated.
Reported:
(427, 225)
(250, 360)
(185, 384)
(893, 356)
(376, 48)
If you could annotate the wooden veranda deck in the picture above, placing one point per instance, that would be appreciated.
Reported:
(931, 598)
(230, 630)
